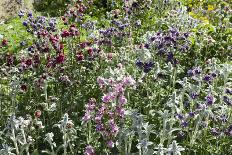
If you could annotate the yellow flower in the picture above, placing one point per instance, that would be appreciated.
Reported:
(210, 7)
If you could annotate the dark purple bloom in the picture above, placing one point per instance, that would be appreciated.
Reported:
(190, 72)
(29, 14)
(99, 127)
(147, 67)
(215, 131)
(194, 95)
(223, 118)
(227, 100)
(22, 43)
(181, 135)
(213, 74)
(184, 124)
(180, 116)
(191, 114)
(25, 23)
(229, 131)
(146, 46)
(139, 63)
(207, 78)
(186, 35)
(197, 71)
(20, 14)
(228, 91)
(209, 99)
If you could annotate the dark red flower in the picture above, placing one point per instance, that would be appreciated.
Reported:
(83, 45)
(80, 56)
(65, 34)
(60, 58)
(23, 87)
(29, 62)
(4, 42)
(38, 113)
(10, 60)
(90, 52)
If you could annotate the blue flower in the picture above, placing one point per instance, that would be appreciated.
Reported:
(25, 23)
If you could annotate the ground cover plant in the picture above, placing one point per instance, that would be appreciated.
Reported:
(130, 77)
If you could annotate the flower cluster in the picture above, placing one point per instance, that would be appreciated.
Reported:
(110, 113)
(170, 43)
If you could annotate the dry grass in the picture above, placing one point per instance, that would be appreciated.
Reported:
(9, 8)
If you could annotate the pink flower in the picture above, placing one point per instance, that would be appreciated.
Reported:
(106, 98)
(86, 117)
(119, 89)
(89, 150)
(120, 112)
(128, 81)
(110, 144)
(98, 118)
(122, 100)
(101, 81)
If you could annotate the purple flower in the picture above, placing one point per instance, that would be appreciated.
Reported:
(89, 150)
(122, 100)
(229, 131)
(197, 71)
(215, 131)
(228, 91)
(214, 74)
(22, 43)
(139, 63)
(99, 127)
(98, 118)
(209, 99)
(29, 14)
(128, 81)
(181, 135)
(106, 98)
(86, 117)
(227, 100)
(119, 89)
(207, 78)
(120, 111)
(20, 14)
(110, 144)
(184, 124)
(191, 114)
(190, 72)
(148, 66)
(114, 128)
(180, 116)
(25, 23)
(194, 95)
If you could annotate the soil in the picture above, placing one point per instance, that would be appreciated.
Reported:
(9, 8)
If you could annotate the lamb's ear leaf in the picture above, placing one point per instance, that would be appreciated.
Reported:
(23, 148)
(150, 152)
(35, 152)
(44, 151)
(58, 149)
